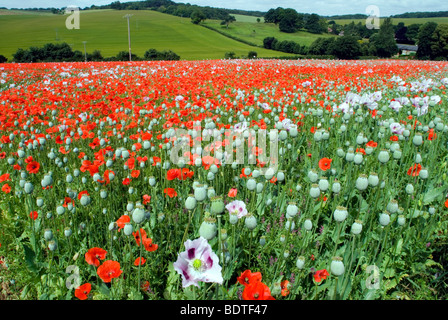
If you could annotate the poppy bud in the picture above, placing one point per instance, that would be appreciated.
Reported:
(312, 175)
(357, 159)
(308, 224)
(383, 156)
(85, 200)
(314, 191)
(200, 193)
(292, 209)
(52, 245)
(362, 182)
(152, 181)
(280, 176)
(401, 220)
(262, 240)
(211, 192)
(233, 218)
(337, 266)
(223, 234)
(48, 235)
(160, 217)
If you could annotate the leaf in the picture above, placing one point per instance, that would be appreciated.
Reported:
(30, 257)
(371, 294)
(173, 277)
(104, 289)
(434, 194)
(399, 247)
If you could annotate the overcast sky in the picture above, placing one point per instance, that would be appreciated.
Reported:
(322, 7)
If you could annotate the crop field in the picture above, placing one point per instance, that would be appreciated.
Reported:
(223, 180)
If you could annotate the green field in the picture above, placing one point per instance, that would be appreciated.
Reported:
(106, 30)
(255, 32)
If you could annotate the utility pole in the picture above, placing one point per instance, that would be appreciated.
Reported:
(129, 35)
(85, 53)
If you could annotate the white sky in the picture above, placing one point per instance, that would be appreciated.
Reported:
(322, 7)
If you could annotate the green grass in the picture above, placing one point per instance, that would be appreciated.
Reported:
(406, 21)
(106, 30)
(244, 18)
(256, 32)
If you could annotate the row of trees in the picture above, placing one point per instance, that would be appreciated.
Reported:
(289, 20)
(60, 52)
(432, 41)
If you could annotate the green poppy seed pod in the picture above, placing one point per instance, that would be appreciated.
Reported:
(300, 263)
(373, 179)
(286, 254)
(130, 206)
(200, 193)
(362, 182)
(280, 176)
(210, 176)
(318, 135)
(48, 234)
(128, 229)
(211, 192)
(52, 245)
(308, 224)
(283, 135)
(312, 175)
(67, 232)
(138, 215)
(409, 189)
(233, 218)
(383, 156)
(336, 187)
(349, 156)
(224, 234)
(290, 224)
(431, 210)
(260, 187)
(323, 184)
(208, 229)
(190, 202)
(269, 174)
(262, 240)
(60, 210)
(250, 221)
(357, 159)
(85, 200)
(418, 158)
(251, 184)
(152, 181)
(298, 187)
(292, 209)
(39, 202)
(293, 132)
(423, 174)
(384, 219)
(418, 139)
(103, 193)
(28, 187)
(282, 238)
(392, 206)
(315, 191)
(401, 220)
(337, 266)
(69, 178)
(217, 206)
(340, 213)
(340, 152)
(356, 227)
(161, 217)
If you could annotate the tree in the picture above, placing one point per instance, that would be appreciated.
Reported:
(424, 40)
(3, 59)
(321, 46)
(228, 20)
(412, 32)
(269, 42)
(273, 15)
(290, 21)
(346, 47)
(252, 54)
(383, 43)
(312, 24)
(439, 45)
(197, 16)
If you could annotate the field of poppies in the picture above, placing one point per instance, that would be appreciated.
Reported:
(224, 180)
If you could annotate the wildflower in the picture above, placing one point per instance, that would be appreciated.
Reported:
(6, 188)
(121, 222)
(82, 292)
(146, 199)
(325, 164)
(320, 275)
(170, 192)
(94, 255)
(284, 285)
(414, 170)
(109, 270)
(33, 167)
(198, 263)
(139, 261)
(237, 207)
(247, 277)
(257, 291)
(34, 215)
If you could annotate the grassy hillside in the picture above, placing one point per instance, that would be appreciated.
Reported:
(254, 32)
(106, 30)
(406, 21)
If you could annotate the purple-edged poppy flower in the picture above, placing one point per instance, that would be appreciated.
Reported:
(237, 207)
(198, 263)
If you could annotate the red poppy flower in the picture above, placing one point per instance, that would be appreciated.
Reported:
(172, 174)
(325, 164)
(320, 275)
(284, 285)
(6, 188)
(126, 181)
(138, 235)
(82, 292)
(146, 199)
(446, 203)
(4, 177)
(371, 144)
(170, 192)
(232, 193)
(82, 193)
(148, 245)
(109, 270)
(121, 222)
(139, 261)
(94, 255)
(248, 277)
(135, 173)
(257, 291)
(33, 167)
(431, 134)
(415, 170)
(34, 215)
(68, 200)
